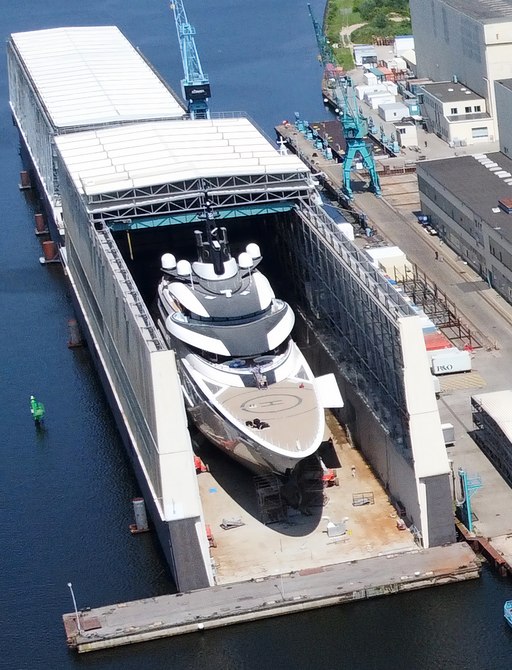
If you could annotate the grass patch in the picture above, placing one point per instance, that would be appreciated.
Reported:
(378, 14)
(339, 14)
(366, 34)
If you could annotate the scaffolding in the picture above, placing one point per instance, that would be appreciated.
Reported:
(271, 506)
(356, 313)
(492, 439)
(437, 306)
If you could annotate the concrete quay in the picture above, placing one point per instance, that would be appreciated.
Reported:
(170, 615)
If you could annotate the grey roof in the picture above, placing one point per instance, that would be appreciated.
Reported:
(468, 117)
(484, 11)
(507, 83)
(476, 186)
(447, 91)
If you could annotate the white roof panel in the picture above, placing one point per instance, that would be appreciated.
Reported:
(158, 152)
(90, 76)
(498, 405)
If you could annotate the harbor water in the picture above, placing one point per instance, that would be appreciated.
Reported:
(66, 489)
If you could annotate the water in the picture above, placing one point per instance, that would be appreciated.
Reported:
(65, 493)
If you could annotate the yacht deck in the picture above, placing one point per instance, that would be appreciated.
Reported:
(285, 413)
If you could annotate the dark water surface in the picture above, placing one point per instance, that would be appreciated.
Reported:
(65, 493)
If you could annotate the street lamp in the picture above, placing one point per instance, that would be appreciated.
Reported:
(280, 588)
(79, 627)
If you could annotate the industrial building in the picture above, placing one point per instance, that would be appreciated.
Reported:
(469, 200)
(456, 114)
(467, 39)
(503, 91)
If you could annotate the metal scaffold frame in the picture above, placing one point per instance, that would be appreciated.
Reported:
(492, 440)
(437, 306)
(357, 312)
(186, 196)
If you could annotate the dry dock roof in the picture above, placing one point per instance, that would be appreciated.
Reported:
(145, 154)
(91, 76)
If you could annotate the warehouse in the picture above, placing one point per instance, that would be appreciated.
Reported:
(469, 201)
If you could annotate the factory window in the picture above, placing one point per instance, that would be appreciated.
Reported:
(467, 110)
(453, 110)
(477, 108)
(479, 132)
(402, 131)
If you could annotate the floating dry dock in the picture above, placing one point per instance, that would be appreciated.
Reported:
(166, 616)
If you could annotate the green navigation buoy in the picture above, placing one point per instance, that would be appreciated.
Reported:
(36, 409)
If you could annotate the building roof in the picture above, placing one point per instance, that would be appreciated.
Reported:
(141, 155)
(479, 116)
(507, 83)
(92, 76)
(364, 48)
(477, 186)
(498, 405)
(484, 11)
(447, 91)
(409, 55)
(389, 106)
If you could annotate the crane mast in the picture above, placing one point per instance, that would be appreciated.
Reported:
(354, 124)
(195, 85)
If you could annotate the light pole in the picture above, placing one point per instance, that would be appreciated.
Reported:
(79, 627)
(280, 588)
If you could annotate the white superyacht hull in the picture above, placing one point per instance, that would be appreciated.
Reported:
(293, 401)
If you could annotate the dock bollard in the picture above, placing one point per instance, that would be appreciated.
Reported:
(50, 253)
(75, 337)
(24, 181)
(141, 519)
(41, 228)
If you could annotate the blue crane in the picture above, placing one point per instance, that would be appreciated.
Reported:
(354, 124)
(195, 85)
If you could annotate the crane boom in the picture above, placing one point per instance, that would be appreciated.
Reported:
(353, 122)
(325, 52)
(195, 85)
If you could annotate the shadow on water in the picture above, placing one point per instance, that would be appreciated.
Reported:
(304, 510)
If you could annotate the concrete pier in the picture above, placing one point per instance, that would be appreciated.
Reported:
(166, 616)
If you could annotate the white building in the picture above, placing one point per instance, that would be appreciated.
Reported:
(456, 114)
(402, 44)
(393, 111)
(406, 134)
(469, 39)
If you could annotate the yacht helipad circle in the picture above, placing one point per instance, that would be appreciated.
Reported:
(267, 402)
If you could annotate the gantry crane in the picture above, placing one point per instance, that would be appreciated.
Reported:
(195, 85)
(354, 124)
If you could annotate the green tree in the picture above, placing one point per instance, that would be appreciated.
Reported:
(367, 9)
(380, 20)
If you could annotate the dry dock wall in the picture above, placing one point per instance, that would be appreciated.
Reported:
(166, 616)
(377, 348)
(143, 379)
(426, 500)
(33, 124)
